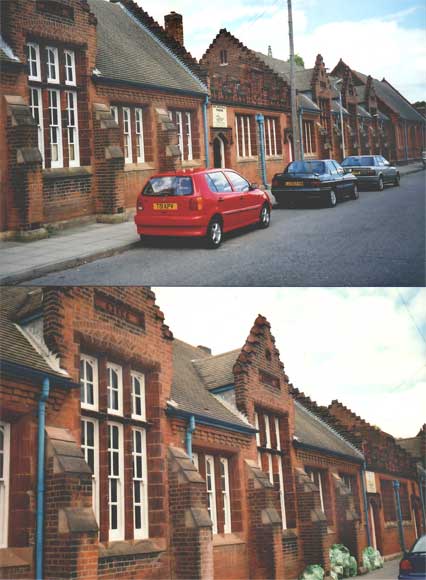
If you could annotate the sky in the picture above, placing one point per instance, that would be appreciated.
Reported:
(384, 38)
(362, 346)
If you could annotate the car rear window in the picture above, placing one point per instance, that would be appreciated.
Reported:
(306, 167)
(420, 545)
(170, 185)
(358, 161)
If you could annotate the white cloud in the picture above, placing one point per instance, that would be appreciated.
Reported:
(382, 47)
(356, 345)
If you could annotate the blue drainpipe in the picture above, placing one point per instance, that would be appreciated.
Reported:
(261, 121)
(364, 496)
(206, 132)
(396, 486)
(188, 436)
(302, 153)
(40, 478)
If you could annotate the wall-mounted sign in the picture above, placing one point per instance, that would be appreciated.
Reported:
(370, 482)
(219, 116)
(118, 309)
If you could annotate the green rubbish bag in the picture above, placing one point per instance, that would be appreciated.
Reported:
(342, 564)
(312, 572)
(372, 559)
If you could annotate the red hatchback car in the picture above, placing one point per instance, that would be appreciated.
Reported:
(201, 202)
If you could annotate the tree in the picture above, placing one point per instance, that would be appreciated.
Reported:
(298, 60)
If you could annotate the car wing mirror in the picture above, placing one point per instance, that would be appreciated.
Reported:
(253, 186)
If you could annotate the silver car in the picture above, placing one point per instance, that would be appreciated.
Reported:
(371, 170)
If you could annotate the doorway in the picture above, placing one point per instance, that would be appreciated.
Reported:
(373, 514)
(219, 152)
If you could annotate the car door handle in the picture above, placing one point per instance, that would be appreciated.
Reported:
(241, 196)
(220, 199)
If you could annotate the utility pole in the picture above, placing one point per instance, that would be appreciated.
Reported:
(294, 129)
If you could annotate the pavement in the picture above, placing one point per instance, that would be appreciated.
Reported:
(389, 571)
(68, 248)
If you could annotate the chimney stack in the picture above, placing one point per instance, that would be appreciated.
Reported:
(269, 50)
(173, 24)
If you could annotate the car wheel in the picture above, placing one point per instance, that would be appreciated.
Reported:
(214, 233)
(331, 198)
(397, 180)
(380, 184)
(355, 192)
(265, 217)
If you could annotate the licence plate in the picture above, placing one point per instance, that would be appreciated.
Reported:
(295, 183)
(164, 205)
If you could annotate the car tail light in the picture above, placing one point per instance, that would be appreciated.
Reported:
(196, 203)
(405, 566)
(316, 182)
(139, 204)
(371, 172)
(275, 181)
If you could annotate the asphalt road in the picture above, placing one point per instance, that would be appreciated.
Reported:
(378, 240)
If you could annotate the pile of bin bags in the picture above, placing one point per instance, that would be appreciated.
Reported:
(342, 564)
(371, 559)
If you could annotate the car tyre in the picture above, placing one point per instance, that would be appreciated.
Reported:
(331, 198)
(214, 233)
(265, 217)
(397, 180)
(380, 184)
(355, 192)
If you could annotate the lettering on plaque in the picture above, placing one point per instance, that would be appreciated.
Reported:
(220, 118)
(370, 482)
(118, 309)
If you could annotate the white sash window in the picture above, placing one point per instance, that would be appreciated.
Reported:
(90, 448)
(52, 64)
(138, 395)
(37, 112)
(33, 58)
(88, 382)
(140, 485)
(115, 389)
(140, 149)
(211, 490)
(55, 127)
(69, 67)
(127, 130)
(115, 481)
(224, 481)
(4, 481)
(73, 144)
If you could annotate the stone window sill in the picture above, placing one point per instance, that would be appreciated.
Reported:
(132, 548)
(67, 172)
(247, 159)
(289, 535)
(187, 164)
(226, 540)
(138, 167)
(274, 157)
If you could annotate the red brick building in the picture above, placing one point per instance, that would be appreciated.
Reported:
(249, 112)
(96, 97)
(161, 460)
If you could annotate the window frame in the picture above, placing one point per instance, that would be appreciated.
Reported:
(76, 161)
(95, 471)
(52, 80)
(226, 495)
(71, 54)
(142, 532)
(270, 137)
(127, 135)
(134, 375)
(188, 134)
(277, 433)
(119, 532)
(91, 360)
(282, 493)
(311, 471)
(211, 493)
(59, 162)
(4, 497)
(40, 124)
(139, 132)
(37, 61)
(119, 371)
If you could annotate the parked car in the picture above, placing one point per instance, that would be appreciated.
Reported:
(317, 179)
(413, 564)
(372, 170)
(203, 202)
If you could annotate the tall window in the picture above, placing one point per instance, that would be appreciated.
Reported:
(37, 112)
(115, 389)
(317, 477)
(52, 64)
(140, 496)
(226, 499)
(4, 481)
(405, 502)
(127, 131)
(223, 57)
(88, 382)
(138, 395)
(271, 132)
(115, 481)
(69, 67)
(244, 133)
(140, 151)
(52, 150)
(73, 148)
(33, 58)
(183, 122)
(90, 448)
(211, 490)
(269, 453)
(308, 137)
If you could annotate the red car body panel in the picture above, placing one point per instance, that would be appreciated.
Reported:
(237, 209)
